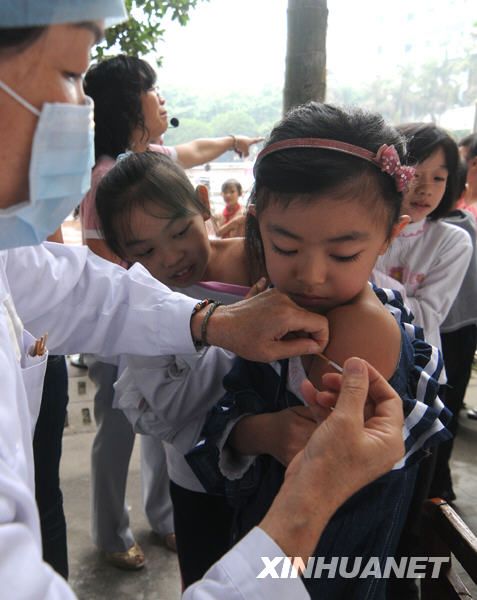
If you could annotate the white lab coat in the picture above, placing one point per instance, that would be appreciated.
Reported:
(234, 576)
(86, 305)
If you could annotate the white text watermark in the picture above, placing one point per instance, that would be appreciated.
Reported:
(318, 567)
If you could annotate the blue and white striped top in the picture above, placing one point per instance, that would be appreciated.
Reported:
(418, 379)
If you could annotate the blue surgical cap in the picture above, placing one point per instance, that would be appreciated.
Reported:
(32, 13)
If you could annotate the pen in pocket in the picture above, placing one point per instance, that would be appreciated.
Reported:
(39, 347)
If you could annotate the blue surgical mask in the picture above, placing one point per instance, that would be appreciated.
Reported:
(62, 157)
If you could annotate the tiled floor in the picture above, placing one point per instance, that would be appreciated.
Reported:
(93, 579)
(90, 576)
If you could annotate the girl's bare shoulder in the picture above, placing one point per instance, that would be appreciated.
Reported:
(366, 329)
(229, 261)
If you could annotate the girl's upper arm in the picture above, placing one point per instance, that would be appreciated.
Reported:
(368, 331)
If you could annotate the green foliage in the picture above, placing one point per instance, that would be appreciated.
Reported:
(138, 35)
(408, 94)
(233, 121)
(204, 115)
(190, 129)
(413, 94)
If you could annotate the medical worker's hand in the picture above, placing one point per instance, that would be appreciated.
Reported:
(345, 453)
(259, 328)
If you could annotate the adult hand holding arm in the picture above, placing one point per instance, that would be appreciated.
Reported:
(345, 453)
(256, 328)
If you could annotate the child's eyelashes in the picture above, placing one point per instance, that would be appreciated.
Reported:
(145, 253)
(346, 258)
(182, 232)
(336, 257)
(283, 252)
(420, 179)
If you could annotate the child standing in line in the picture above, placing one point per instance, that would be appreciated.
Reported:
(459, 339)
(429, 257)
(150, 213)
(326, 204)
(232, 221)
(468, 151)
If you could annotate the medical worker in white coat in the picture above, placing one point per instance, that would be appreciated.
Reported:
(83, 303)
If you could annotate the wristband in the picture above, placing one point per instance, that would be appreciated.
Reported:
(200, 305)
(203, 328)
(235, 149)
(197, 308)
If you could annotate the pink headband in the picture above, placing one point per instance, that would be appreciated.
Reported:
(386, 158)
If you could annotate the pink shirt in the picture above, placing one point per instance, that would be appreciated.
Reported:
(90, 227)
(89, 217)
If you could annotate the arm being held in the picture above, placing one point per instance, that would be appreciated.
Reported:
(367, 330)
(343, 455)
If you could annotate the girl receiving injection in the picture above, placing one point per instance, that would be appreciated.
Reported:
(326, 204)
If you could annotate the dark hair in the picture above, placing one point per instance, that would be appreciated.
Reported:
(148, 180)
(232, 183)
(461, 178)
(472, 148)
(299, 172)
(116, 85)
(424, 139)
(469, 142)
(17, 39)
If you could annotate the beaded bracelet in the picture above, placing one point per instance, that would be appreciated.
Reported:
(203, 328)
(201, 304)
(197, 308)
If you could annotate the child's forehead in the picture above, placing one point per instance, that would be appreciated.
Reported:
(335, 198)
(151, 217)
(437, 159)
(325, 213)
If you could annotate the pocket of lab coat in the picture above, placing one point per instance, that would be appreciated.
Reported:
(33, 374)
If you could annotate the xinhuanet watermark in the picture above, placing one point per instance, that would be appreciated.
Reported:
(318, 567)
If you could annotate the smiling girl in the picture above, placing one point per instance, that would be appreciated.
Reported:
(429, 257)
(130, 114)
(150, 213)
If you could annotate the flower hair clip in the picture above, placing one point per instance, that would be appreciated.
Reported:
(388, 161)
(386, 158)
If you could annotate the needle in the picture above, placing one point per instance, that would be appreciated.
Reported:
(331, 362)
